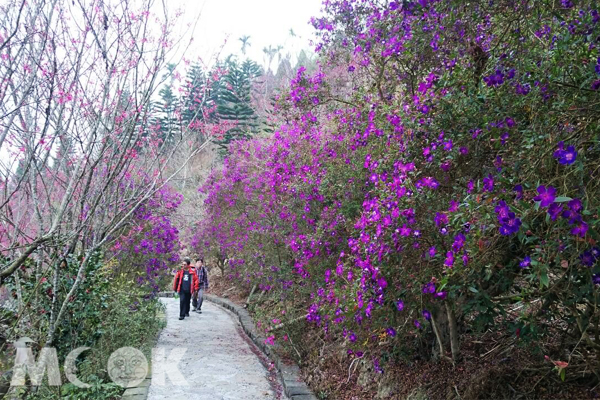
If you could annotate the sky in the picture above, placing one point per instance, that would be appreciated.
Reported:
(267, 22)
(217, 25)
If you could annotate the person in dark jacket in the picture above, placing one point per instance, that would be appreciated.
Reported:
(185, 283)
(202, 281)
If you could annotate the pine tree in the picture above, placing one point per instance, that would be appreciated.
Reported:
(198, 99)
(167, 108)
(234, 101)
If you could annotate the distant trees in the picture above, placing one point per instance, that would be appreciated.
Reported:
(234, 95)
(245, 39)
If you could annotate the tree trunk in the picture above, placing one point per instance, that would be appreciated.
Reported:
(250, 296)
(438, 337)
(453, 332)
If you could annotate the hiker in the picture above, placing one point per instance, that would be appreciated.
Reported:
(185, 283)
(195, 292)
(202, 283)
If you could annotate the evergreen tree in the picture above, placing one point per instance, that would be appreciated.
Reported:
(198, 99)
(167, 109)
(234, 101)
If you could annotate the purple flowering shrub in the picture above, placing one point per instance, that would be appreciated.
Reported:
(149, 249)
(440, 169)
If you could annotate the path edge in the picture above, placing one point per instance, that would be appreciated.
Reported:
(141, 391)
(293, 384)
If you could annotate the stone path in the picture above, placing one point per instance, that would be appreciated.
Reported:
(220, 363)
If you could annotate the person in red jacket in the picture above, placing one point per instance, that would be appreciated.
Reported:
(185, 283)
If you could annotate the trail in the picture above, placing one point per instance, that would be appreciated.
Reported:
(220, 362)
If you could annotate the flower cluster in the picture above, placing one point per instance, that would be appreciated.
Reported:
(150, 248)
(509, 223)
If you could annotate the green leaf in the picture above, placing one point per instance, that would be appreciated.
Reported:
(472, 289)
(562, 374)
(544, 280)
(562, 199)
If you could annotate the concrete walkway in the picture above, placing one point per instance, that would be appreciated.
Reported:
(220, 361)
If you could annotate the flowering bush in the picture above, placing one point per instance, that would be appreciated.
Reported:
(447, 173)
(149, 249)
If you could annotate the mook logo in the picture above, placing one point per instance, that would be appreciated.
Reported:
(127, 366)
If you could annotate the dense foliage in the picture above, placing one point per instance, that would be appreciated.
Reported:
(438, 176)
(108, 311)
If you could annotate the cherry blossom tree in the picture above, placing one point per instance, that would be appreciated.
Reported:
(79, 152)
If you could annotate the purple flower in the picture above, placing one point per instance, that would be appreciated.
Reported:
(587, 258)
(459, 242)
(406, 168)
(405, 230)
(448, 145)
(488, 183)
(498, 165)
(566, 3)
(440, 219)
(427, 315)
(428, 182)
(270, 340)
(502, 210)
(429, 288)
(596, 252)
(399, 305)
(546, 195)
(596, 279)
(470, 186)
(575, 205)
(440, 295)
(390, 332)
(580, 229)
(526, 262)
(522, 89)
(518, 189)
(432, 252)
(453, 206)
(464, 151)
(565, 156)
(449, 261)
(352, 337)
(465, 258)
(511, 224)
(554, 210)
(572, 216)
(417, 324)
(595, 85)
(496, 79)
